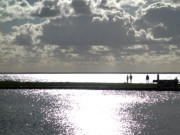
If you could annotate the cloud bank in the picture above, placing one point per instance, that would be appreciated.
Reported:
(88, 35)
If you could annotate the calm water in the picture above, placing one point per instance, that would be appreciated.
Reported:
(85, 112)
(113, 78)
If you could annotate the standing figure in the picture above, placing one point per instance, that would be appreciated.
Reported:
(176, 83)
(127, 78)
(130, 78)
(158, 80)
(158, 77)
(147, 78)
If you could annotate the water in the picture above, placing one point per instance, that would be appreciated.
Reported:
(88, 112)
(85, 112)
(106, 78)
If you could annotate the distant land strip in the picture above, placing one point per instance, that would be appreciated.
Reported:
(88, 86)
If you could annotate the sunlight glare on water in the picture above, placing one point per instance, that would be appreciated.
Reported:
(96, 114)
(89, 112)
(99, 113)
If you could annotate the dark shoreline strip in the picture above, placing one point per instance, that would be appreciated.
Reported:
(90, 88)
(87, 86)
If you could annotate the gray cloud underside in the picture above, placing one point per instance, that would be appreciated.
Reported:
(92, 25)
(88, 32)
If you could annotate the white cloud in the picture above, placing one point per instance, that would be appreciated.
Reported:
(27, 34)
(57, 8)
(133, 3)
(99, 49)
(107, 4)
(52, 8)
(138, 47)
(11, 10)
(173, 47)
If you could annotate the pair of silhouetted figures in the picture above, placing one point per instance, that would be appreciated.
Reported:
(129, 77)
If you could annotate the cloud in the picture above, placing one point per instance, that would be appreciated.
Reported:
(171, 1)
(88, 35)
(57, 8)
(81, 6)
(108, 4)
(132, 3)
(176, 1)
(46, 8)
(138, 47)
(99, 49)
(9, 53)
(89, 30)
(161, 20)
(26, 34)
(23, 39)
(11, 10)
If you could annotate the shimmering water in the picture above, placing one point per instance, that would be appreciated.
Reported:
(85, 112)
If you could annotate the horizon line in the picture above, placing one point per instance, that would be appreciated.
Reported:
(89, 72)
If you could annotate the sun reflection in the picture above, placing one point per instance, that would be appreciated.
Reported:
(84, 112)
(98, 114)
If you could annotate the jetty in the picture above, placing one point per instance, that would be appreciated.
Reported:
(87, 86)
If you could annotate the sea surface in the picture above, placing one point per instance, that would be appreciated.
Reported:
(88, 112)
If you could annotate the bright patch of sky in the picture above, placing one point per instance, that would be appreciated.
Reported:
(6, 27)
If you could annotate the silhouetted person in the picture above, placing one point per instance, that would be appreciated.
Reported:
(176, 83)
(130, 78)
(157, 77)
(147, 78)
(127, 78)
(158, 81)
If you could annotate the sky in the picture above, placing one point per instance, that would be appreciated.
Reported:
(89, 36)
